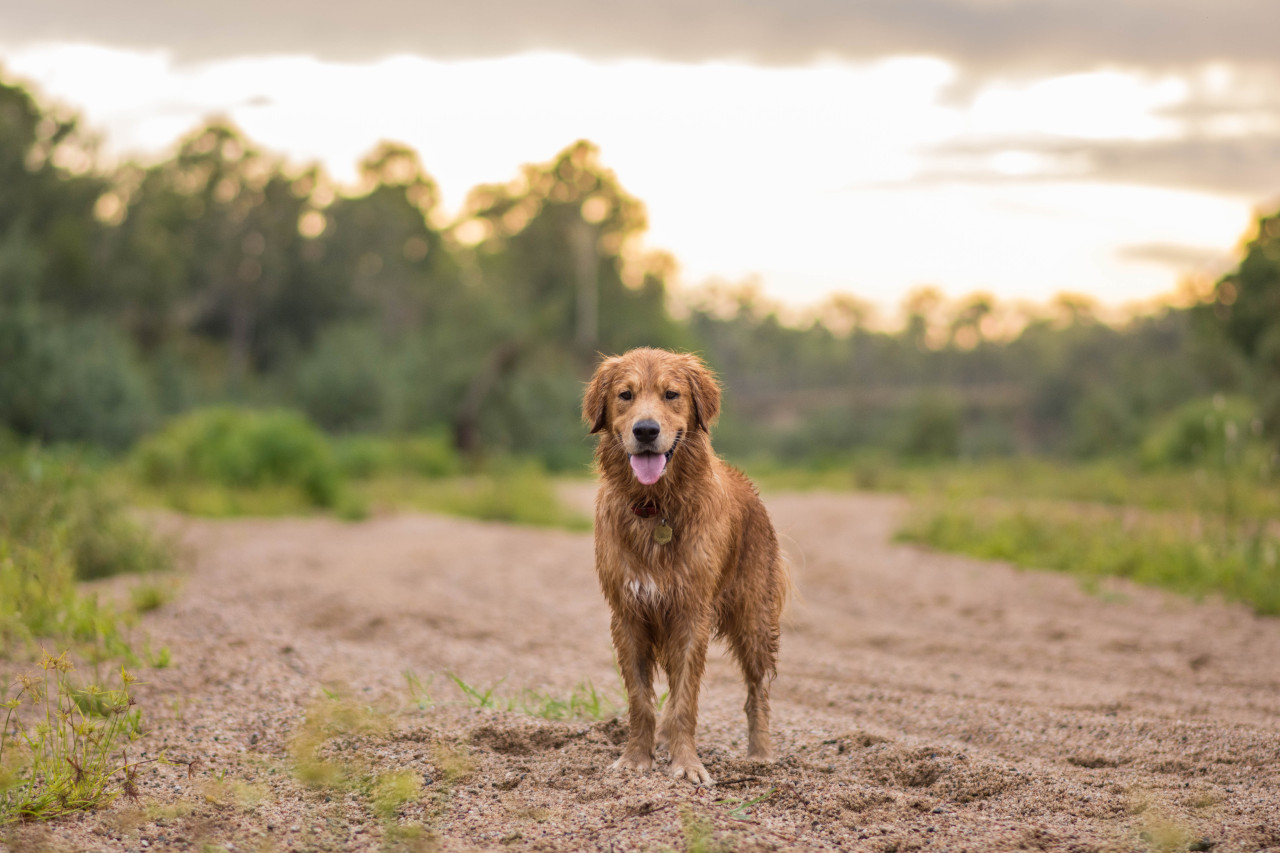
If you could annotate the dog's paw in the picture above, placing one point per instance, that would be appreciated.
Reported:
(763, 754)
(640, 762)
(691, 770)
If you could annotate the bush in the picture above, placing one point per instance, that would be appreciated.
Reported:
(238, 448)
(341, 383)
(1216, 431)
(932, 429)
(77, 381)
(366, 456)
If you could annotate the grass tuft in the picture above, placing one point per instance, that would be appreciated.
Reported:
(393, 790)
(63, 749)
(584, 701)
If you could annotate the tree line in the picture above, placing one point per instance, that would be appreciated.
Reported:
(221, 273)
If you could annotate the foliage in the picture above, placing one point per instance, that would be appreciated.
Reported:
(241, 449)
(1216, 432)
(366, 456)
(932, 430)
(63, 749)
(54, 503)
(517, 493)
(341, 382)
(73, 380)
(244, 280)
(584, 701)
(1196, 556)
(58, 524)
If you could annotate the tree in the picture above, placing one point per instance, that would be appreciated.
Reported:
(1246, 303)
(47, 225)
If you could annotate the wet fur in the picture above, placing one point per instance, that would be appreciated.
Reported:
(720, 575)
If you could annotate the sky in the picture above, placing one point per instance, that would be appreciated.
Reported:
(1015, 147)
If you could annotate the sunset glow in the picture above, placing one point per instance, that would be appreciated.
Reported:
(870, 178)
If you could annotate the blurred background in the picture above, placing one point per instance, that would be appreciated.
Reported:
(281, 255)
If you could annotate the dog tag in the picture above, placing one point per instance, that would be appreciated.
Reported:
(662, 533)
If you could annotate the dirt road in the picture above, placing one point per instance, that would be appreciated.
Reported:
(925, 702)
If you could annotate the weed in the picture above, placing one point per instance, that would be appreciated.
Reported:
(411, 837)
(584, 702)
(419, 693)
(221, 791)
(699, 834)
(333, 717)
(1163, 834)
(453, 761)
(481, 699)
(70, 754)
(151, 595)
(742, 810)
(392, 790)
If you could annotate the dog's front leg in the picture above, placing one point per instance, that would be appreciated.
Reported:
(685, 658)
(632, 642)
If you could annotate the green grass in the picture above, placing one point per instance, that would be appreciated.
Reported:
(59, 524)
(583, 702)
(1195, 555)
(514, 493)
(64, 749)
(1250, 492)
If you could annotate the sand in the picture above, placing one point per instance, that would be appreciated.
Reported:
(924, 702)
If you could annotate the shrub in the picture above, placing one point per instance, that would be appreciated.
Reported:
(341, 382)
(1210, 431)
(931, 429)
(365, 456)
(238, 448)
(58, 524)
(77, 381)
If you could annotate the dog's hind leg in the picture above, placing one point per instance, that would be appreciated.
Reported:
(756, 648)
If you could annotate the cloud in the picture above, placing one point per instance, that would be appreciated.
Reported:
(1040, 35)
(1246, 166)
(1178, 257)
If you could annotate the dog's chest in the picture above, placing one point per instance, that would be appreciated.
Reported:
(644, 582)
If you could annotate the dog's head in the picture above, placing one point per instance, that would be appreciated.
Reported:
(648, 400)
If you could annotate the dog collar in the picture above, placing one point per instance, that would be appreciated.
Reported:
(648, 509)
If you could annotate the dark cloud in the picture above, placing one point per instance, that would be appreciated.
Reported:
(1246, 166)
(984, 34)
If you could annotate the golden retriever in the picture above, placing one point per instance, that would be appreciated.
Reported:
(684, 551)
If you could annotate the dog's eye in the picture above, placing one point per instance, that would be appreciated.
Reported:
(625, 395)
(671, 395)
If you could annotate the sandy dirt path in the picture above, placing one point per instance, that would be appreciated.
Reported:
(925, 702)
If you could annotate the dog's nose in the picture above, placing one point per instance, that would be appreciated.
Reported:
(646, 431)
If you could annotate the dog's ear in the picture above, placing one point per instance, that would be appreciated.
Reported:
(705, 391)
(595, 401)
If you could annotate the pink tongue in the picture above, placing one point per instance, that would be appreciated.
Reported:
(648, 467)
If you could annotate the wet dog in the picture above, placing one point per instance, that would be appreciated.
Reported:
(684, 551)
